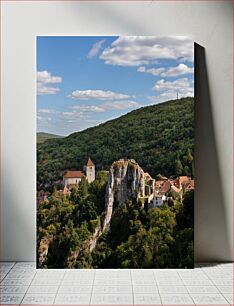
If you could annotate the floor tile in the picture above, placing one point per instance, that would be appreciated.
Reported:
(75, 289)
(9, 264)
(197, 282)
(164, 289)
(38, 298)
(147, 299)
(225, 289)
(46, 282)
(49, 276)
(16, 282)
(72, 299)
(143, 281)
(80, 282)
(25, 264)
(11, 299)
(207, 284)
(229, 298)
(3, 275)
(202, 289)
(77, 277)
(223, 282)
(114, 282)
(112, 299)
(209, 299)
(112, 289)
(13, 289)
(178, 299)
(145, 289)
(20, 276)
(169, 282)
(43, 289)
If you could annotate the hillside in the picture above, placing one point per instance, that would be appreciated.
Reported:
(159, 137)
(42, 137)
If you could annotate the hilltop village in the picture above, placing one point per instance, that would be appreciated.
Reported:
(156, 191)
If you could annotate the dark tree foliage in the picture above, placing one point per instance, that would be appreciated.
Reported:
(159, 137)
(159, 238)
(68, 222)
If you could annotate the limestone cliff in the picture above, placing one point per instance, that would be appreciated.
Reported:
(126, 180)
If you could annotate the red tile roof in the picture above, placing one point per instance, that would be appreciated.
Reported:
(165, 187)
(89, 163)
(74, 174)
(183, 179)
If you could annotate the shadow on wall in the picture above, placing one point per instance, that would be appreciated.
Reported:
(211, 230)
(18, 230)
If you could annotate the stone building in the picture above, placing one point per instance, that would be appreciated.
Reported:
(73, 178)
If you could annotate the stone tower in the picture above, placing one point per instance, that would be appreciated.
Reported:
(89, 169)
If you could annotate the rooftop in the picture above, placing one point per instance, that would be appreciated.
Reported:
(74, 174)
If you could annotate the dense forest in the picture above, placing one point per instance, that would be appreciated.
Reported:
(160, 137)
(139, 237)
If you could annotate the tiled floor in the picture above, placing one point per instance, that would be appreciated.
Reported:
(207, 284)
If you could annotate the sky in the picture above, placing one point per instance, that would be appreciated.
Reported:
(83, 81)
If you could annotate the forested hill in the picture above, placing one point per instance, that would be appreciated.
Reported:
(42, 137)
(159, 137)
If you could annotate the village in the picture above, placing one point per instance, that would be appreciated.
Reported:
(156, 191)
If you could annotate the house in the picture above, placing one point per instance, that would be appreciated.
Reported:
(73, 178)
(165, 188)
(189, 185)
(180, 181)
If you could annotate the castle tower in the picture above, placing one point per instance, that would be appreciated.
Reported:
(90, 171)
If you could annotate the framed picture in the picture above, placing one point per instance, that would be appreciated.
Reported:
(115, 152)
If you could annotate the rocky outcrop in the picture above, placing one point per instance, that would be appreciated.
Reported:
(126, 180)
(43, 250)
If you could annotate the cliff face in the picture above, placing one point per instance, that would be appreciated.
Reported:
(126, 180)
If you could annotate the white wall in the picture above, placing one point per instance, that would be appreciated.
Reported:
(211, 24)
(72, 181)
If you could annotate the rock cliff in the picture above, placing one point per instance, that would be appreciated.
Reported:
(126, 180)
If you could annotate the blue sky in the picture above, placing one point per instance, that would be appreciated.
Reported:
(84, 81)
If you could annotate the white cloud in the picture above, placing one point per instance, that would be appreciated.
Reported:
(95, 49)
(179, 84)
(43, 118)
(89, 108)
(45, 90)
(168, 90)
(46, 111)
(44, 78)
(120, 105)
(153, 71)
(97, 95)
(68, 114)
(143, 50)
(141, 69)
(115, 105)
(179, 70)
